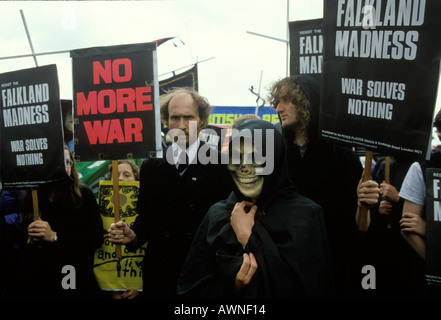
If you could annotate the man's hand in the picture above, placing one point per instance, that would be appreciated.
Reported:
(389, 192)
(368, 193)
(120, 233)
(385, 207)
(246, 271)
(243, 222)
(130, 294)
(40, 230)
(412, 222)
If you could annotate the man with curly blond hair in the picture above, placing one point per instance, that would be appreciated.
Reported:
(326, 172)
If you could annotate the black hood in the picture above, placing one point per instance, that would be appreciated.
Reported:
(311, 88)
(288, 239)
(278, 181)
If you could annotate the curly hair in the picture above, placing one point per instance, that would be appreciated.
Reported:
(286, 90)
(204, 108)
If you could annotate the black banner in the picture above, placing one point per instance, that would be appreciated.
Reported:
(116, 109)
(188, 78)
(380, 74)
(433, 226)
(32, 146)
(306, 47)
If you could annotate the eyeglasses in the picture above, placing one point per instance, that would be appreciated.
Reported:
(69, 162)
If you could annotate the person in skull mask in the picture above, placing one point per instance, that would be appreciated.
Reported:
(265, 240)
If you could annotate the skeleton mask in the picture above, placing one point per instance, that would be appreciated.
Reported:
(244, 173)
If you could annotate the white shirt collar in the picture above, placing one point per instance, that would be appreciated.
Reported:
(192, 151)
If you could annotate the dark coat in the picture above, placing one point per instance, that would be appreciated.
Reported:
(328, 173)
(288, 241)
(170, 209)
(8, 266)
(80, 233)
(394, 260)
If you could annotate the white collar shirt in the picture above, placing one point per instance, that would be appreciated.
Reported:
(191, 151)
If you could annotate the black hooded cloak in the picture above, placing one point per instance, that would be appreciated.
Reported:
(288, 240)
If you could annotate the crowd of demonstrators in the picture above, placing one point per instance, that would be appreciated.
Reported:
(326, 172)
(175, 194)
(258, 243)
(383, 245)
(296, 236)
(402, 204)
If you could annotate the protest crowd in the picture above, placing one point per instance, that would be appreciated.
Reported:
(191, 253)
(272, 210)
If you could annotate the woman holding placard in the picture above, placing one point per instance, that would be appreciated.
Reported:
(62, 241)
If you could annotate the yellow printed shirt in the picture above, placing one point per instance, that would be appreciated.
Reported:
(111, 273)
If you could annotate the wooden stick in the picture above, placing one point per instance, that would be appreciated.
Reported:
(387, 180)
(363, 214)
(387, 168)
(35, 205)
(116, 201)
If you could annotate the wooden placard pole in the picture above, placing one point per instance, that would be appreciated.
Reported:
(387, 180)
(35, 205)
(363, 214)
(115, 179)
(387, 170)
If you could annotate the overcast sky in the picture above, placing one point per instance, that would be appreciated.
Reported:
(204, 29)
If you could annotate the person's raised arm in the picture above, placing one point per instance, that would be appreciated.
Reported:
(413, 227)
(242, 221)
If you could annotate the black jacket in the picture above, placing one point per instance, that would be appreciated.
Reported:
(328, 173)
(170, 209)
(79, 232)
